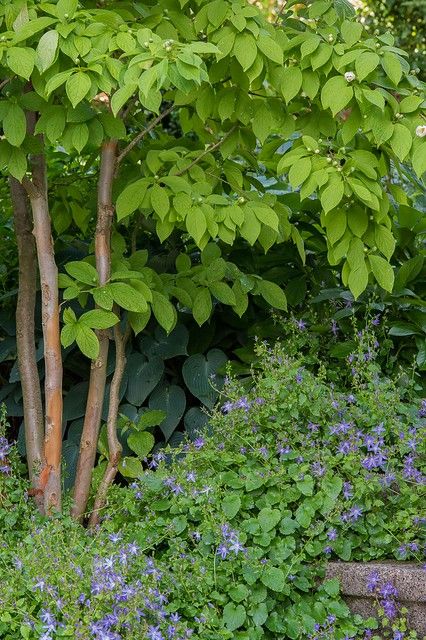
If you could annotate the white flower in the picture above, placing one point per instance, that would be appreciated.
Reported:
(421, 131)
(350, 76)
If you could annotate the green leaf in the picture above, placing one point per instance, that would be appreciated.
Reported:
(336, 225)
(15, 125)
(272, 294)
(138, 321)
(150, 419)
(392, 67)
(231, 505)
(336, 94)
(245, 49)
(299, 171)
(21, 61)
(332, 195)
(358, 279)
(172, 400)
(141, 442)
(131, 467)
(164, 311)
(87, 341)
(291, 82)
(77, 87)
(46, 50)
(419, 160)
(332, 587)
(159, 201)
(401, 141)
(270, 48)
(98, 319)
(83, 272)
(57, 80)
(68, 335)
(202, 306)
(144, 375)
(103, 298)
(66, 9)
(351, 31)
(223, 293)
(131, 198)
(234, 616)
(385, 241)
(201, 375)
(402, 329)
(196, 223)
(269, 518)
(80, 136)
(17, 164)
(127, 297)
(31, 28)
(382, 271)
(273, 578)
(121, 96)
(365, 64)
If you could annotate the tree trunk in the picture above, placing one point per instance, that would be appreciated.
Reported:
(95, 398)
(50, 477)
(25, 338)
(114, 447)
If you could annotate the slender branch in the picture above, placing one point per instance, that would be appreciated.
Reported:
(114, 446)
(142, 134)
(50, 477)
(95, 398)
(25, 340)
(4, 82)
(209, 149)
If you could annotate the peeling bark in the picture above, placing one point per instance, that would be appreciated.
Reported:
(114, 446)
(50, 477)
(25, 336)
(92, 420)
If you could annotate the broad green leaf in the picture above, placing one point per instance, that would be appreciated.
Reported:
(172, 400)
(336, 94)
(15, 125)
(272, 294)
(103, 298)
(382, 271)
(66, 9)
(83, 272)
(196, 223)
(419, 159)
(31, 28)
(392, 67)
(131, 198)
(270, 48)
(57, 80)
(336, 225)
(164, 311)
(291, 83)
(87, 341)
(332, 195)
(401, 141)
(141, 442)
(121, 96)
(234, 616)
(21, 61)
(77, 87)
(46, 50)
(202, 306)
(80, 136)
(268, 518)
(273, 578)
(385, 241)
(358, 280)
(159, 201)
(98, 319)
(223, 293)
(367, 62)
(144, 375)
(17, 163)
(231, 505)
(127, 297)
(131, 467)
(68, 335)
(201, 375)
(299, 171)
(245, 49)
(138, 321)
(351, 31)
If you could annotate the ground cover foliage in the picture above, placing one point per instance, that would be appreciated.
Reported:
(228, 536)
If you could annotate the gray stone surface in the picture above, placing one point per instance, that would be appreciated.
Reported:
(408, 578)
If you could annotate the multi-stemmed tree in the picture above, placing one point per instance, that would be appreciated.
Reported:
(172, 111)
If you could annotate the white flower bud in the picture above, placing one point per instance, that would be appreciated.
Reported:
(421, 131)
(350, 76)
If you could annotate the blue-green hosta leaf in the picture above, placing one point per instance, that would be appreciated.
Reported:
(201, 375)
(144, 375)
(172, 400)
